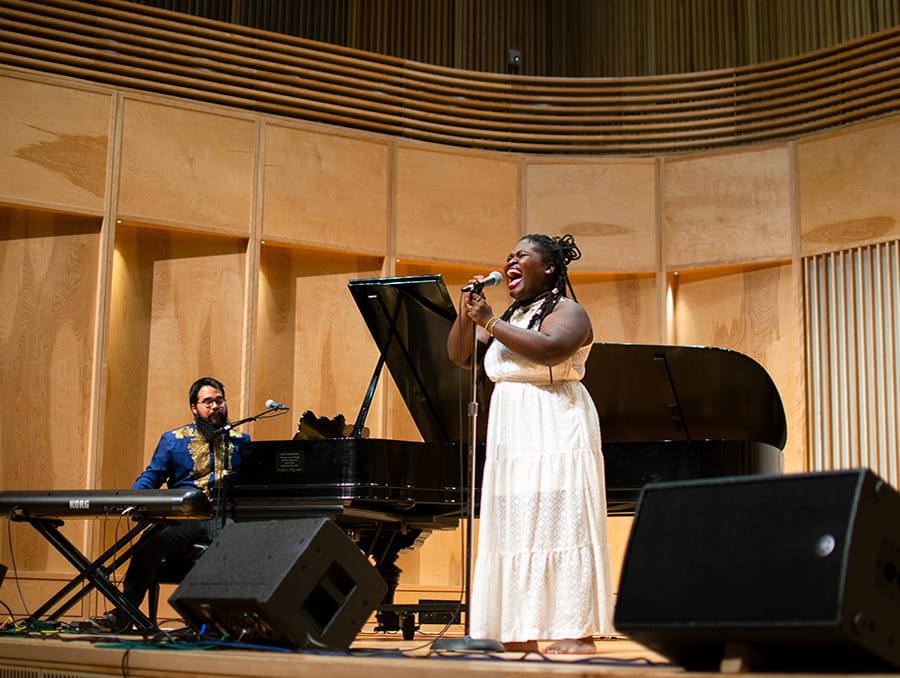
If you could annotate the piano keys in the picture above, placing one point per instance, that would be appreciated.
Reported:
(45, 511)
(150, 504)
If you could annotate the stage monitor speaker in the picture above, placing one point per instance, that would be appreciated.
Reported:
(297, 583)
(793, 572)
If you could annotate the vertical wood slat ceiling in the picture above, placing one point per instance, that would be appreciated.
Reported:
(565, 38)
(124, 44)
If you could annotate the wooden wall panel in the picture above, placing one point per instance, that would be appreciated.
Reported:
(48, 288)
(728, 208)
(276, 338)
(849, 188)
(436, 563)
(128, 348)
(608, 206)
(455, 206)
(756, 310)
(624, 307)
(186, 167)
(181, 295)
(325, 190)
(313, 349)
(53, 145)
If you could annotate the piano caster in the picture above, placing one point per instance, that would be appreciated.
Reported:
(408, 625)
(387, 620)
(391, 620)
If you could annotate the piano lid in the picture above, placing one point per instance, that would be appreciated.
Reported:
(642, 392)
(409, 318)
(646, 392)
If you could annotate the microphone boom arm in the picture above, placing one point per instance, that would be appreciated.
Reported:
(265, 414)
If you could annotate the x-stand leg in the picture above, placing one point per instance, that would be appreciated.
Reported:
(91, 574)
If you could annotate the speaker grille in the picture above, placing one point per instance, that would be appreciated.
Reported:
(748, 551)
(287, 582)
(803, 569)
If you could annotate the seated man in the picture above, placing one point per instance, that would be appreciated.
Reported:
(199, 455)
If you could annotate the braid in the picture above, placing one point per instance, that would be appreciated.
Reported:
(559, 251)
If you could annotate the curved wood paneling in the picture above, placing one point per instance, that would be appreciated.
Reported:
(575, 38)
(129, 46)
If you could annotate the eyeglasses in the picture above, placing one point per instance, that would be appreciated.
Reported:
(209, 402)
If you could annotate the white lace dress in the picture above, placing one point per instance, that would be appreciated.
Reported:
(542, 565)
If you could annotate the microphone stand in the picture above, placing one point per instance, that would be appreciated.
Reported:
(467, 643)
(222, 490)
(265, 414)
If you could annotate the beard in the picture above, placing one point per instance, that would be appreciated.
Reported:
(210, 429)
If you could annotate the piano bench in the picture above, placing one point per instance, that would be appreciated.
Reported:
(172, 570)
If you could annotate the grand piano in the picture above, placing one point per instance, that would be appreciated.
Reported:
(666, 412)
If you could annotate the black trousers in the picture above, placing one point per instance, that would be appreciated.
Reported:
(173, 541)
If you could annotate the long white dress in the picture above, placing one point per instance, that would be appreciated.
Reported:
(542, 565)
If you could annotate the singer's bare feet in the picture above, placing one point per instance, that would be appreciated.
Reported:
(572, 646)
(527, 646)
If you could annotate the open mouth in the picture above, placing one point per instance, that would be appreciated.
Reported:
(513, 277)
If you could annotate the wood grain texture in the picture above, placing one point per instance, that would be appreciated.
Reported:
(313, 351)
(849, 188)
(180, 306)
(455, 206)
(186, 167)
(727, 208)
(608, 206)
(325, 190)
(623, 307)
(53, 144)
(48, 284)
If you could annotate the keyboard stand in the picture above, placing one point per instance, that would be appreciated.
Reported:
(92, 574)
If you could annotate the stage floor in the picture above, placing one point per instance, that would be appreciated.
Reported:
(85, 655)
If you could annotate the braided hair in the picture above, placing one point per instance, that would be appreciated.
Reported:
(558, 250)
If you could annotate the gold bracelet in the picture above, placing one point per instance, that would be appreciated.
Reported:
(490, 324)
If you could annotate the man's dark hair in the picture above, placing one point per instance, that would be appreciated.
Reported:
(200, 383)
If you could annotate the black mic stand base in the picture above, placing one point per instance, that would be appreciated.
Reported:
(467, 644)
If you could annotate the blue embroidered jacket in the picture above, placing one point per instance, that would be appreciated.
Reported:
(183, 459)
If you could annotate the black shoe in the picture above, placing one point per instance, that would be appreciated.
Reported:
(112, 621)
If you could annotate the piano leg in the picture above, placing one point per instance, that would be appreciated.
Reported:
(384, 545)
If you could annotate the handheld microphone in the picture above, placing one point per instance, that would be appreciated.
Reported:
(272, 405)
(493, 278)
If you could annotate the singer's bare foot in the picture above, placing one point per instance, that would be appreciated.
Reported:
(527, 646)
(572, 646)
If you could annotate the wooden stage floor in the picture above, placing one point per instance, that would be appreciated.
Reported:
(371, 655)
(85, 655)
